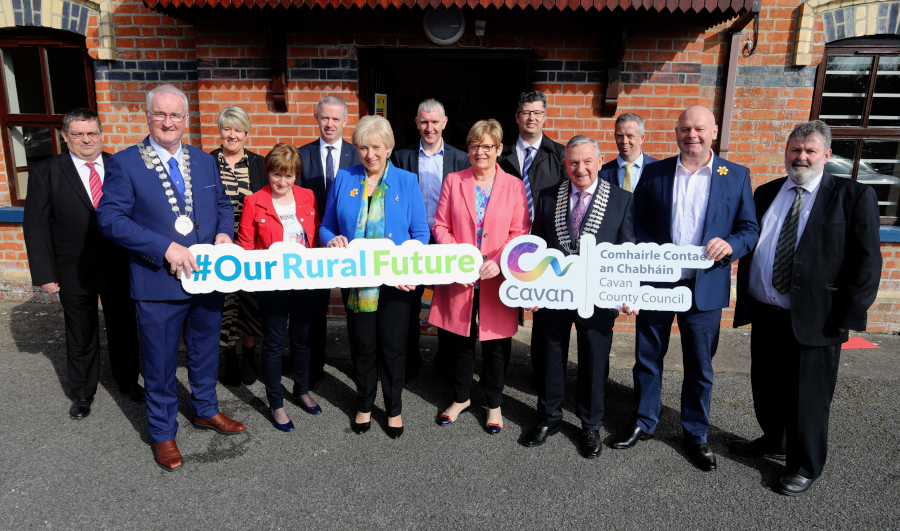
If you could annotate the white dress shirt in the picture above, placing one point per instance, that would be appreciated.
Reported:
(635, 170)
(761, 268)
(335, 156)
(521, 146)
(164, 156)
(85, 173)
(690, 197)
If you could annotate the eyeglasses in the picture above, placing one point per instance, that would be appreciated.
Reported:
(161, 117)
(527, 114)
(79, 136)
(476, 148)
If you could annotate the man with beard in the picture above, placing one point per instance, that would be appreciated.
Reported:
(811, 278)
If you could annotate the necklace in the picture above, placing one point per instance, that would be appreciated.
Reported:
(593, 221)
(183, 223)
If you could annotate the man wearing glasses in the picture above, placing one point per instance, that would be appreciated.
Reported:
(69, 257)
(161, 197)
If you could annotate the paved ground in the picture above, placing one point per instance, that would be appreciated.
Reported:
(99, 473)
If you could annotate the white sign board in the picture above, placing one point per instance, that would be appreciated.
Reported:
(602, 275)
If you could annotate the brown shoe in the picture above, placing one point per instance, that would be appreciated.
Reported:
(221, 424)
(167, 455)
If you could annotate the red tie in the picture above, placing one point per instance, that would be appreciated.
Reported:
(96, 185)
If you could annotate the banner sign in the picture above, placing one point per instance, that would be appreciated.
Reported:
(602, 275)
(365, 263)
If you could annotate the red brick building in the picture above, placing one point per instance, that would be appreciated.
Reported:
(760, 66)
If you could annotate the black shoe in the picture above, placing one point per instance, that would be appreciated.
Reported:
(589, 443)
(795, 484)
(755, 449)
(360, 427)
(135, 392)
(81, 407)
(537, 435)
(394, 433)
(231, 375)
(702, 456)
(630, 437)
(248, 366)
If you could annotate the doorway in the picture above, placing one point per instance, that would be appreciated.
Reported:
(471, 84)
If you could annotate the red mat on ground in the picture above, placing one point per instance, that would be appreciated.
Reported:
(858, 342)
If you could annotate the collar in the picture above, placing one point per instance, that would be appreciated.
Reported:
(522, 145)
(590, 189)
(243, 159)
(164, 154)
(708, 165)
(811, 186)
(639, 162)
(440, 150)
(323, 144)
(79, 162)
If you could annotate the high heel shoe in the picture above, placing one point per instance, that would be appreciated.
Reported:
(446, 419)
(312, 410)
(494, 428)
(287, 426)
(360, 427)
(394, 433)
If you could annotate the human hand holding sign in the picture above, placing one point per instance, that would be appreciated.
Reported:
(180, 259)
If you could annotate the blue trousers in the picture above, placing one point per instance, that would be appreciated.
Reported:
(276, 307)
(161, 324)
(699, 341)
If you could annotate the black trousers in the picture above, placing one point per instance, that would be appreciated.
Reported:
(319, 299)
(275, 308)
(83, 339)
(494, 354)
(378, 341)
(793, 385)
(594, 341)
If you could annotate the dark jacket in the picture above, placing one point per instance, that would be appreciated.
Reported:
(312, 174)
(408, 159)
(548, 168)
(257, 163)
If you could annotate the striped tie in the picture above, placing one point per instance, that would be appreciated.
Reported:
(526, 166)
(96, 185)
(782, 269)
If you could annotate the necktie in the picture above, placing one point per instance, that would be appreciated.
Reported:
(626, 182)
(175, 175)
(96, 185)
(787, 241)
(329, 168)
(578, 213)
(526, 167)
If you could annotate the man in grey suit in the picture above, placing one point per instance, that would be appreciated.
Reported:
(432, 160)
(321, 159)
(625, 170)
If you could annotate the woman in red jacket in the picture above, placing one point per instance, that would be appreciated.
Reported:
(279, 212)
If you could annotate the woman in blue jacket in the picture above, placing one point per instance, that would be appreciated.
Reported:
(376, 200)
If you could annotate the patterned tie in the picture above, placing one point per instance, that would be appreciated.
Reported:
(526, 167)
(626, 182)
(96, 185)
(787, 241)
(175, 174)
(578, 213)
(329, 168)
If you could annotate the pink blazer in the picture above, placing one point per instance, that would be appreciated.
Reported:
(506, 218)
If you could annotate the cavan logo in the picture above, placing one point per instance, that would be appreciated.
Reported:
(530, 276)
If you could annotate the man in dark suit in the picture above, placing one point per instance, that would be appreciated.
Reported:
(67, 255)
(320, 161)
(810, 279)
(160, 197)
(432, 160)
(695, 198)
(538, 161)
(625, 171)
(586, 198)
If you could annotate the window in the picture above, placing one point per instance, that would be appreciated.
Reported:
(44, 75)
(858, 95)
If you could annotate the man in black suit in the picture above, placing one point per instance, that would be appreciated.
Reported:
(538, 161)
(810, 279)
(67, 255)
(432, 160)
(625, 170)
(586, 200)
(320, 161)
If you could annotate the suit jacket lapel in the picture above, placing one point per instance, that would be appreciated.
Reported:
(668, 184)
(824, 198)
(716, 183)
(68, 169)
(467, 183)
(497, 190)
(514, 161)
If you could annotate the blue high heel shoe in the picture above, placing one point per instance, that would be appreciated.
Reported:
(287, 426)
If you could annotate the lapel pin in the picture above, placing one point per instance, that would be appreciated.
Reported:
(397, 198)
(723, 170)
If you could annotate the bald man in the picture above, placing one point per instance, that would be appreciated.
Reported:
(695, 198)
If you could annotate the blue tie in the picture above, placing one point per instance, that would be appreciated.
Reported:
(329, 168)
(526, 166)
(175, 175)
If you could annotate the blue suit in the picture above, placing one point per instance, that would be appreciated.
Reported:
(404, 209)
(731, 216)
(135, 214)
(609, 172)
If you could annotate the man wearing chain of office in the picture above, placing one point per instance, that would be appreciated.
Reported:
(160, 197)
(580, 206)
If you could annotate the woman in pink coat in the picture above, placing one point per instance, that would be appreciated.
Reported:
(486, 207)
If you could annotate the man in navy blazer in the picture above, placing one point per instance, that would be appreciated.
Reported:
(695, 198)
(431, 159)
(625, 171)
(319, 162)
(159, 198)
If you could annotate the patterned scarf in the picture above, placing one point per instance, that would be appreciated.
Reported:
(369, 224)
